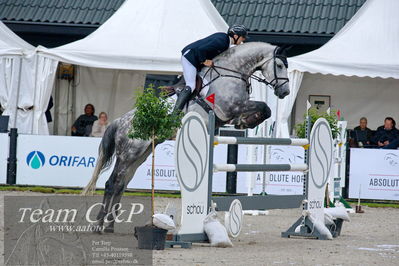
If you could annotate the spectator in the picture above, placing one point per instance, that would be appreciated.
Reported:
(361, 134)
(386, 134)
(100, 125)
(82, 125)
(392, 145)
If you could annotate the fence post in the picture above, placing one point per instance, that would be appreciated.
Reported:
(12, 158)
(231, 177)
(232, 157)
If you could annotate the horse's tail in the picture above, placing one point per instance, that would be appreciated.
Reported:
(105, 156)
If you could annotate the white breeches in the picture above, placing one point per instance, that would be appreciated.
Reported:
(189, 72)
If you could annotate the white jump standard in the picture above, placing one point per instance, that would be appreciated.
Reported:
(195, 168)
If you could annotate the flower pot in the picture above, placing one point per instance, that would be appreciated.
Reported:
(150, 237)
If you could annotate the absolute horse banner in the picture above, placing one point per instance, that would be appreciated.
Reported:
(277, 183)
(374, 174)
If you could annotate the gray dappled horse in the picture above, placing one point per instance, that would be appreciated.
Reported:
(228, 80)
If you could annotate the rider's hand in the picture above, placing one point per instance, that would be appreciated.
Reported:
(208, 63)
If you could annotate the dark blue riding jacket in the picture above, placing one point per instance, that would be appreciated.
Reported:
(206, 48)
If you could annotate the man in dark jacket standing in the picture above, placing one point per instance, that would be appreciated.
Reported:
(200, 53)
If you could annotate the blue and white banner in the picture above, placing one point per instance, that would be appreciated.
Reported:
(374, 174)
(4, 149)
(57, 160)
(70, 161)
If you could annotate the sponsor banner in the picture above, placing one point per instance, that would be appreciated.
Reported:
(57, 160)
(277, 183)
(4, 149)
(60, 230)
(374, 174)
(70, 161)
(285, 183)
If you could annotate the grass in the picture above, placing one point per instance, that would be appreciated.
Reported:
(41, 189)
(379, 205)
(52, 190)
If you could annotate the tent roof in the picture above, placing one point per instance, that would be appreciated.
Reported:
(367, 46)
(10, 43)
(143, 35)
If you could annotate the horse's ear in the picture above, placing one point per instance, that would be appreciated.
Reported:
(282, 50)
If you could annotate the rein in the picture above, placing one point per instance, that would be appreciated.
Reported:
(246, 78)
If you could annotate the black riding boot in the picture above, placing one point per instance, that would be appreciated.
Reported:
(183, 98)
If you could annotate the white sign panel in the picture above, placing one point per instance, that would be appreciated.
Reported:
(277, 183)
(4, 149)
(374, 174)
(285, 183)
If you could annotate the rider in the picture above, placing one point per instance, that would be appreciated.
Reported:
(200, 53)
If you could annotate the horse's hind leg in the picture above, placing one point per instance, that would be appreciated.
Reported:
(125, 167)
(254, 113)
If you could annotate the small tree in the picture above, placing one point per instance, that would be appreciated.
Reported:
(154, 120)
(314, 114)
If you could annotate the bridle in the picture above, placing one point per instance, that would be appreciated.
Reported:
(273, 83)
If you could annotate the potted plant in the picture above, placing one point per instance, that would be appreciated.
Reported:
(314, 114)
(153, 120)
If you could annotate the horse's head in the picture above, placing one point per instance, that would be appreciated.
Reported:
(275, 71)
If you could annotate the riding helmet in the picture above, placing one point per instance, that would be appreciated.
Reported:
(239, 30)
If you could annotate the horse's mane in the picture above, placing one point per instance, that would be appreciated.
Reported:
(250, 49)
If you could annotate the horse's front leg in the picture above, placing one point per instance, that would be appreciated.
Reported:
(252, 114)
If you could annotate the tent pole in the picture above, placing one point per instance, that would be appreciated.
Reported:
(34, 94)
(56, 104)
(18, 90)
(74, 92)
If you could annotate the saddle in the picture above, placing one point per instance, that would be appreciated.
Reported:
(176, 88)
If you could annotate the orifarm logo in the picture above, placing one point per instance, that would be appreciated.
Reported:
(35, 159)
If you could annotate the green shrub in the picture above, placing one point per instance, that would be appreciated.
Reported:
(314, 115)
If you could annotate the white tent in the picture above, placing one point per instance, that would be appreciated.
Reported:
(15, 76)
(358, 68)
(142, 36)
